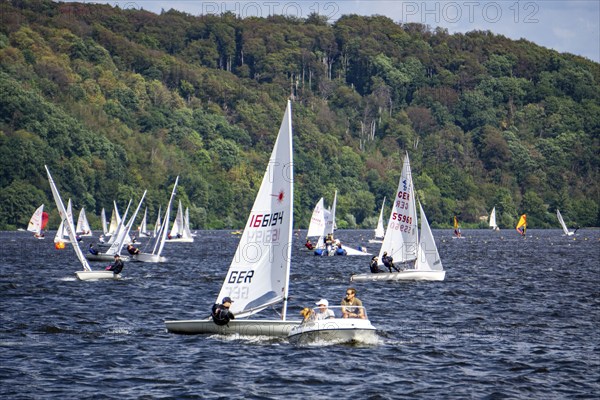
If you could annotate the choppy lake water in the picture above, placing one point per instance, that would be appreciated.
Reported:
(515, 318)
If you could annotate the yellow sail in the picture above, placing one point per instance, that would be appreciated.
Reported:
(522, 225)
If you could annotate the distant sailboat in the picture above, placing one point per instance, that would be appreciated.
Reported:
(103, 222)
(160, 236)
(563, 225)
(143, 228)
(402, 242)
(380, 230)
(38, 222)
(180, 232)
(83, 226)
(457, 231)
(114, 220)
(61, 233)
(493, 224)
(522, 225)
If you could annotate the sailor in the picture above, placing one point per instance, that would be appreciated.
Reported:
(117, 266)
(131, 249)
(92, 249)
(374, 265)
(388, 261)
(220, 312)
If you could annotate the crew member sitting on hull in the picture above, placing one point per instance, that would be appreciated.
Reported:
(220, 312)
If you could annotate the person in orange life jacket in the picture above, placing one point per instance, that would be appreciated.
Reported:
(220, 312)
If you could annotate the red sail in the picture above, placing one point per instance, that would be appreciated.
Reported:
(44, 219)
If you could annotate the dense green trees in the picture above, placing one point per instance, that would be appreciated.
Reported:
(117, 101)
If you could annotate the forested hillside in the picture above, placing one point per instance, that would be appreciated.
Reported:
(117, 101)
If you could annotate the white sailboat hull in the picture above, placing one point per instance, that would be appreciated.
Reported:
(355, 252)
(247, 327)
(149, 258)
(338, 330)
(375, 240)
(96, 275)
(407, 275)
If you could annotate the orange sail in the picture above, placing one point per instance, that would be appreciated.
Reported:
(522, 225)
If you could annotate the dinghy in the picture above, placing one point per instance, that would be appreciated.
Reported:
(522, 225)
(492, 222)
(401, 240)
(562, 224)
(38, 222)
(62, 236)
(334, 328)
(258, 276)
(180, 232)
(457, 234)
(66, 220)
(160, 236)
(379, 230)
(83, 226)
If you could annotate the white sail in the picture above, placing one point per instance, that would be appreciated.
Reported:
(61, 234)
(163, 227)
(317, 220)
(67, 222)
(83, 226)
(258, 276)
(493, 224)
(157, 224)
(114, 220)
(103, 222)
(35, 223)
(562, 224)
(123, 231)
(401, 237)
(186, 224)
(429, 257)
(380, 231)
(177, 227)
(330, 219)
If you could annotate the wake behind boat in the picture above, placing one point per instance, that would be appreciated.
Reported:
(258, 276)
(334, 329)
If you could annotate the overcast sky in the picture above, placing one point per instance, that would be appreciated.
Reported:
(565, 26)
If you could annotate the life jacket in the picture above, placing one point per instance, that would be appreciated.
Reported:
(220, 315)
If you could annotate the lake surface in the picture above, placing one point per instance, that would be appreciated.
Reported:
(515, 318)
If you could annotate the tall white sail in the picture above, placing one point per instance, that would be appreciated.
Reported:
(114, 220)
(258, 276)
(401, 237)
(562, 223)
(161, 234)
(429, 257)
(157, 224)
(83, 226)
(103, 222)
(317, 220)
(143, 225)
(61, 234)
(67, 222)
(330, 219)
(493, 224)
(177, 228)
(379, 230)
(123, 231)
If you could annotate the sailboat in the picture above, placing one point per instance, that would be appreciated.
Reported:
(457, 234)
(522, 225)
(180, 232)
(143, 228)
(157, 224)
(114, 220)
(379, 230)
(493, 223)
(258, 276)
(103, 222)
(160, 236)
(38, 222)
(61, 233)
(83, 226)
(562, 224)
(401, 240)
(325, 219)
(67, 221)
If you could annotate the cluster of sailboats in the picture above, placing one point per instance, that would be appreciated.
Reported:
(259, 281)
